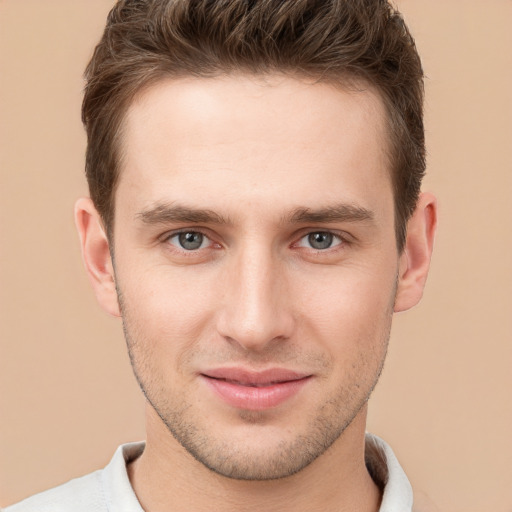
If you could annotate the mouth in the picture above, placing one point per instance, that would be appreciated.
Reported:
(254, 391)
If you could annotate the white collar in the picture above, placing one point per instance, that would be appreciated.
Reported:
(381, 462)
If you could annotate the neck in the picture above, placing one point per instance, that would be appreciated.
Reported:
(166, 478)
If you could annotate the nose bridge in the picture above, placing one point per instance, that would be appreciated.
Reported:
(255, 311)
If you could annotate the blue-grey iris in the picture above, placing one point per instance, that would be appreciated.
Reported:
(320, 240)
(191, 240)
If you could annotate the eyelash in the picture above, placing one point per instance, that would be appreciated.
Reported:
(342, 240)
(337, 241)
(191, 252)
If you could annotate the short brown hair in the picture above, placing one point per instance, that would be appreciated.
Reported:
(329, 40)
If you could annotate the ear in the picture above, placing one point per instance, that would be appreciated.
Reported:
(415, 258)
(96, 255)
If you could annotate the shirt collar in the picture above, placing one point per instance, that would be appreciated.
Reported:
(387, 473)
(381, 462)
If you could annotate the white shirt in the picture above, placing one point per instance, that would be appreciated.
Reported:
(109, 489)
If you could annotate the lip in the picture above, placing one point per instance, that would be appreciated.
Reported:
(254, 391)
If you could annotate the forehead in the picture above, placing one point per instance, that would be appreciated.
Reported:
(258, 137)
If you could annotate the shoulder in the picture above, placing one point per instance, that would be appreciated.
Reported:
(82, 494)
(105, 490)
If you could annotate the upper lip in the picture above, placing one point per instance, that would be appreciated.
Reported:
(254, 378)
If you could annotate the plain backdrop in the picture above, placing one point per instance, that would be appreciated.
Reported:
(67, 395)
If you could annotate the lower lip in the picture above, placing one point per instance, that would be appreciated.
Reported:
(253, 398)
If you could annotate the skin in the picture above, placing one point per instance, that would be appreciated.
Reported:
(255, 166)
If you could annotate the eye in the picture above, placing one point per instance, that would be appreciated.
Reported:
(189, 240)
(320, 240)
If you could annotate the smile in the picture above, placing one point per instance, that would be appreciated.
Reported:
(252, 384)
(254, 390)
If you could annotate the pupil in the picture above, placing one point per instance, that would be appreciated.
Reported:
(320, 240)
(191, 240)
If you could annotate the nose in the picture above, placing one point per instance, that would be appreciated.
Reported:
(256, 310)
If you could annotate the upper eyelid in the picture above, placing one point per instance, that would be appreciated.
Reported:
(175, 232)
(343, 236)
(342, 240)
(191, 253)
(165, 239)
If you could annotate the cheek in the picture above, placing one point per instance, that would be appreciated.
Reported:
(349, 310)
(165, 309)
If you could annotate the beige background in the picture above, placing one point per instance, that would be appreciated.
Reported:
(67, 394)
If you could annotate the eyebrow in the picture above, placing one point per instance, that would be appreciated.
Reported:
(336, 213)
(169, 213)
(173, 213)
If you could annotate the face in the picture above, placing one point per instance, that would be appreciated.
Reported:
(256, 264)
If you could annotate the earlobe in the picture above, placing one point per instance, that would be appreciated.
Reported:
(96, 255)
(415, 258)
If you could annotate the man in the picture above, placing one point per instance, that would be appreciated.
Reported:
(255, 219)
